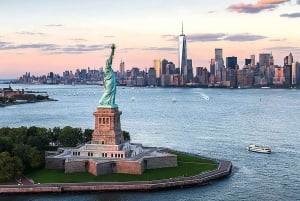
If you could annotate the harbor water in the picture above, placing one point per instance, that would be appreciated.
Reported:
(216, 123)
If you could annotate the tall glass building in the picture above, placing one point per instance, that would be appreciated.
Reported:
(182, 53)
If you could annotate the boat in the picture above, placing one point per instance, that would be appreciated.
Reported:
(205, 97)
(174, 99)
(259, 149)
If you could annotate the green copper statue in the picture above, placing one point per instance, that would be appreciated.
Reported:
(109, 83)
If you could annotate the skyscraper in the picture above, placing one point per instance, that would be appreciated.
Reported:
(189, 71)
(157, 66)
(252, 57)
(231, 62)
(182, 52)
(219, 59)
(122, 68)
(264, 59)
(290, 59)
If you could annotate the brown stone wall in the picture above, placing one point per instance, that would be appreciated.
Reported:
(54, 163)
(105, 168)
(160, 162)
(107, 126)
(76, 166)
(96, 169)
(129, 167)
(92, 167)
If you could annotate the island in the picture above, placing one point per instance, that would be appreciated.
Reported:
(9, 96)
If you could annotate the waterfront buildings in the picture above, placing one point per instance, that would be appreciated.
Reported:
(164, 73)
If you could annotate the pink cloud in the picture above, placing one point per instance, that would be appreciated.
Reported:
(257, 7)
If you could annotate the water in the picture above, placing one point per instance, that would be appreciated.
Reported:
(217, 123)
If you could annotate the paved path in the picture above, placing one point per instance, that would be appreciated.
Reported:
(22, 180)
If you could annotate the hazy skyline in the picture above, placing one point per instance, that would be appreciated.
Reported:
(43, 36)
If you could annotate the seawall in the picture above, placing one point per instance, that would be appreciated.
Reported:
(223, 170)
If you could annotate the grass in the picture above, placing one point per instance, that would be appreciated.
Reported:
(187, 166)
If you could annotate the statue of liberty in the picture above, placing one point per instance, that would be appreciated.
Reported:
(109, 83)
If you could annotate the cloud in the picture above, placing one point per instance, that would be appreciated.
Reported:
(42, 46)
(3, 44)
(283, 49)
(30, 33)
(54, 48)
(205, 37)
(82, 48)
(291, 15)
(257, 7)
(78, 39)
(277, 39)
(298, 1)
(244, 37)
(109, 36)
(54, 25)
(160, 49)
(169, 37)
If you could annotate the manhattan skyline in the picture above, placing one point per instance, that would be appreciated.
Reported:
(44, 36)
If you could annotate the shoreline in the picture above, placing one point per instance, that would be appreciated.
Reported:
(27, 102)
(224, 169)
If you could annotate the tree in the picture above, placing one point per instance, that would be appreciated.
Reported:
(31, 157)
(6, 144)
(126, 135)
(87, 135)
(36, 158)
(10, 167)
(38, 137)
(69, 137)
(19, 135)
(56, 131)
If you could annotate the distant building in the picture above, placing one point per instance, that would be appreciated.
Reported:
(294, 74)
(157, 66)
(182, 52)
(202, 76)
(231, 62)
(152, 77)
(279, 78)
(264, 59)
(219, 61)
(122, 68)
(212, 67)
(290, 59)
(164, 64)
(252, 57)
(247, 62)
(297, 74)
(288, 75)
(189, 72)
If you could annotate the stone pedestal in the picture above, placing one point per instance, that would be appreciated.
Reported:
(107, 127)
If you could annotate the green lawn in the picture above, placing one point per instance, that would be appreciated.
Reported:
(187, 166)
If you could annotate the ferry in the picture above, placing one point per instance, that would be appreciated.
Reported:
(259, 149)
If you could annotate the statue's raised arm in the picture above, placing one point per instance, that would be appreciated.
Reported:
(109, 83)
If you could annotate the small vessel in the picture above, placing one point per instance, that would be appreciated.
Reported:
(259, 149)
(174, 99)
(132, 99)
(205, 97)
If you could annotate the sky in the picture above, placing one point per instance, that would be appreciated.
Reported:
(57, 35)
